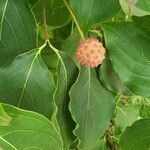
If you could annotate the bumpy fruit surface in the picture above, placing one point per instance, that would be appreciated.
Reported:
(90, 53)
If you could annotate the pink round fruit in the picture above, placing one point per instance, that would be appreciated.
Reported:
(90, 53)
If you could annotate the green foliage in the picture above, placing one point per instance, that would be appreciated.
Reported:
(66, 75)
(126, 115)
(96, 105)
(28, 130)
(137, 136)
(110, 79)
(90, 12)
(54, 9)
(5, 119)
(17, 82)
(136, 7)
(49, 101)
(133, 49)
(17, 29)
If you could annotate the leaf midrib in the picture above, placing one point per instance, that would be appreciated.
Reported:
(87, 107)
(29, 72)
(8, 143)
(27, 78)
(2, 19)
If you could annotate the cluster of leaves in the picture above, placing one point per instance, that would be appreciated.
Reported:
(48, 101)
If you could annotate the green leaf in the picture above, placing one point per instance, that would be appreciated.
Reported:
(50, 59)
(145, 5)
(32, 1)
(66, 76)
(137, 136)
(111, 80)
(17, 29)
(101, 145)
(136, 7)
(28, 130)
(143, 23)
(126, 115)
(27, 83)
(57, 14)
(91, 107)
(5, 119)
(5, 145)
(90, 12)
(128, 48)
(71, 44)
